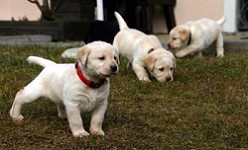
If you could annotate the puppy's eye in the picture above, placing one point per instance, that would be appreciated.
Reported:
(161, 69)
(174, 38)
(101, 58)
(171, 69)
(115, 58)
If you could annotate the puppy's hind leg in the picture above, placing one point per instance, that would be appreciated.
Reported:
(219, 46)
(61, 110)
(26, 95)
(129, 65)
(15, 111)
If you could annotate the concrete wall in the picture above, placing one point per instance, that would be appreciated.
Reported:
(187, 10)
(18, 9)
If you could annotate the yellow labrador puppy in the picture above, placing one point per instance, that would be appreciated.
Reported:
(193, 37)
(144, 52)
(75, 88)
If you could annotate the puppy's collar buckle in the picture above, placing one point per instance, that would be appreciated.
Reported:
(86, 81)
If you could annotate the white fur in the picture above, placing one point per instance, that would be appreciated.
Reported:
(135, 46)
(203, 33)
(61, 84)
(70, 53)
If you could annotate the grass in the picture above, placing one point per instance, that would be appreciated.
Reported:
(205, 107)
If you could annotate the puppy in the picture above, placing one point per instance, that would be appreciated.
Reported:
(75, 88)
(144, 52)
(193, 37)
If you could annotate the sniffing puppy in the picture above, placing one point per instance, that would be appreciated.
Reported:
(195, 36)
(144, 52)
(75, 88)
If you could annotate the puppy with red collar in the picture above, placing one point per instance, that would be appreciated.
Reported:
(75, 88)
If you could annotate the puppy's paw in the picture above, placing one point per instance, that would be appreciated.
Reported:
(62, 115)
(81, 133)
(180, 54)
(220, 52)
(97, 132)
(145, 79)
(220, 55)
(17, 119)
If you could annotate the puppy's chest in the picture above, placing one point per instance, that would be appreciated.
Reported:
(89, 99)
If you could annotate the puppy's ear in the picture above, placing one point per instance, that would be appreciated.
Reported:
(173, 58)
(174, 63)
(149, 62)
(83, 54)
(184, 33)
(118, 60)
(117, 55)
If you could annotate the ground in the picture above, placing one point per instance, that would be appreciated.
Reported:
(205, 107)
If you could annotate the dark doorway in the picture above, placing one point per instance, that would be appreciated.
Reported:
(243, 15)
(138, 13)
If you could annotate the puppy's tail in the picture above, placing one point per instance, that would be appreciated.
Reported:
(40, 61)
(121, 21)
(221, 20)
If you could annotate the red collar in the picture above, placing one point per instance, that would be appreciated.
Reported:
(89, 83)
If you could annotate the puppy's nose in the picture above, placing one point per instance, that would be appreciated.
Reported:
(168, 79)
(113, 68)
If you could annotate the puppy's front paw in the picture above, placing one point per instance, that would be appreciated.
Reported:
(16, 118)
(220, 55)
(81, 133)
(146, 79)
(220, 52)
(97, 132)
(180, 54)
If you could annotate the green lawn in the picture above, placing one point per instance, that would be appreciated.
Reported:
(205, 107)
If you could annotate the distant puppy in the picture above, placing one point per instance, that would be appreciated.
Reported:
(193, 37)
(145, 53)
(75, 88)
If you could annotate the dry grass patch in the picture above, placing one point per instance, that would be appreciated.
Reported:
(205, 107)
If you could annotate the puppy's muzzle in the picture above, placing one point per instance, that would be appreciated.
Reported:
(170, 46)
(168, 79)
(113, 68)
